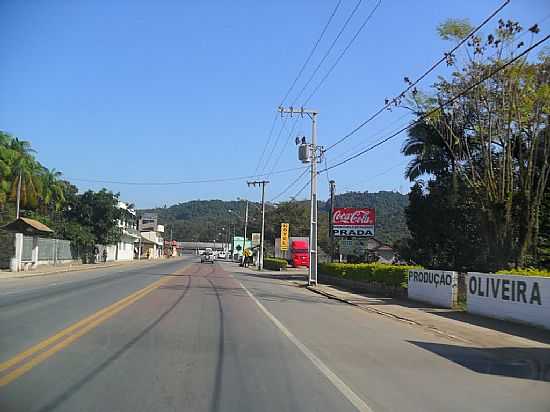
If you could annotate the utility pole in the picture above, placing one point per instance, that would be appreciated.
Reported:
(313, 156)
(18, 194)
(261, 183)
(245, 226)
(331, 233)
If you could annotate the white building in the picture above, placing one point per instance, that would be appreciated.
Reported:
(152, 241)
(125, 248)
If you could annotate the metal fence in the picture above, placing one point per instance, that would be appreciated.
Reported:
(48, 249)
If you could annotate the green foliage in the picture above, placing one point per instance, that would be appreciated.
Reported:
(389, 275)
(525, 272)
(390, 211)
(444, 225)
(454, 29)
(543, 246)
(97, 212)
(485, 155)
(272, 263)
(206, 220)
(81, 236)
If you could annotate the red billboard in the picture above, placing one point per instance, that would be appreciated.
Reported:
(353, 222)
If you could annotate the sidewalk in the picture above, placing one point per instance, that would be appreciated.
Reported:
(453, 324)
(74, 267)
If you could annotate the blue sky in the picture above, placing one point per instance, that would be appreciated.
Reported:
(163, 91)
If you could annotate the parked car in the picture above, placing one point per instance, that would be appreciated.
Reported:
(222, 255)
(207, 256)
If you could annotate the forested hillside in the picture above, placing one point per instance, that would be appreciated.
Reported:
(390, 211)
(206, 220)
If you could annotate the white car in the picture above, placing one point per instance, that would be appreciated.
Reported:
(222, 255)
(207, 256)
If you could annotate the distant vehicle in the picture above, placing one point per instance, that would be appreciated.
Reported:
(207, 256)
(299, 253)
(222, 255)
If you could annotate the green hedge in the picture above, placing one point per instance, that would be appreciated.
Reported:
(274, 263)
(525, 272)
(390, 275)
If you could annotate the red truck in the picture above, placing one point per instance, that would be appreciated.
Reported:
(299, 253)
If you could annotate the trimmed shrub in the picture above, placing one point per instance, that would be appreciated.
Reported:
(525, 272)
(274, 263)
(386, 274)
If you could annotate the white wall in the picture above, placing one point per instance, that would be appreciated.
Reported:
(437, 287)
(518, 298)
(125, 251)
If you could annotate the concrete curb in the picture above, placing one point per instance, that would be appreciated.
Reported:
(31, 274)
(388, 314)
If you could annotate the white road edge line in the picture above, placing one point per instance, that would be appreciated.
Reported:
(359, 403)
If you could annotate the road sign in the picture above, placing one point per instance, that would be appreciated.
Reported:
(284, 236)
(255, 239)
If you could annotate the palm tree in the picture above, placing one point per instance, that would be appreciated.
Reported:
(431, 155)
(5, 169)
(24, 172)
(53, 194)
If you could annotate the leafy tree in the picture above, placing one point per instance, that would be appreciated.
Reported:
(543, 248)
(97, 211)
(495, 137)
(444, 234)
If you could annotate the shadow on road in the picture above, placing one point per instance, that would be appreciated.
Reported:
(523, 363)
(78, 385)
(516, 329)
(216, 396)
(528, 332)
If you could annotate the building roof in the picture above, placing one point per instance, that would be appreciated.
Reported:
(26, 225)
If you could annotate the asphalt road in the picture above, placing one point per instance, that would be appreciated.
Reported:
(185, 336)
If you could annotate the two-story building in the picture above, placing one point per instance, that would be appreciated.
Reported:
(152, 241)
(125, 248)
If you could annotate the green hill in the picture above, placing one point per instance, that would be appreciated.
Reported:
(206, 220)
(390, 211)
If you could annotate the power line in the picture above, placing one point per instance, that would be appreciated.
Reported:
(333, 66)
(286, 189)
(183, 182)
(275, 144)
(429, 113)
(267, 142)
(300, 72)
(413, 84)
(290, 133)
(328, 51)
(302, 189)
(381, 131)
(343, 52)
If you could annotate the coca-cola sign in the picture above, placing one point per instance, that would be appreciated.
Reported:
(349, 216)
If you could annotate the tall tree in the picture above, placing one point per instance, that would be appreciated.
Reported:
(497, 135)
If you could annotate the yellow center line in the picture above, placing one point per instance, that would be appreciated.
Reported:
(79, 328)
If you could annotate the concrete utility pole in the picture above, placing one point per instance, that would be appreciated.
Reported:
(18, 194)
(262, 183)
(313, 156)
(245, 227)
(332, 205)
